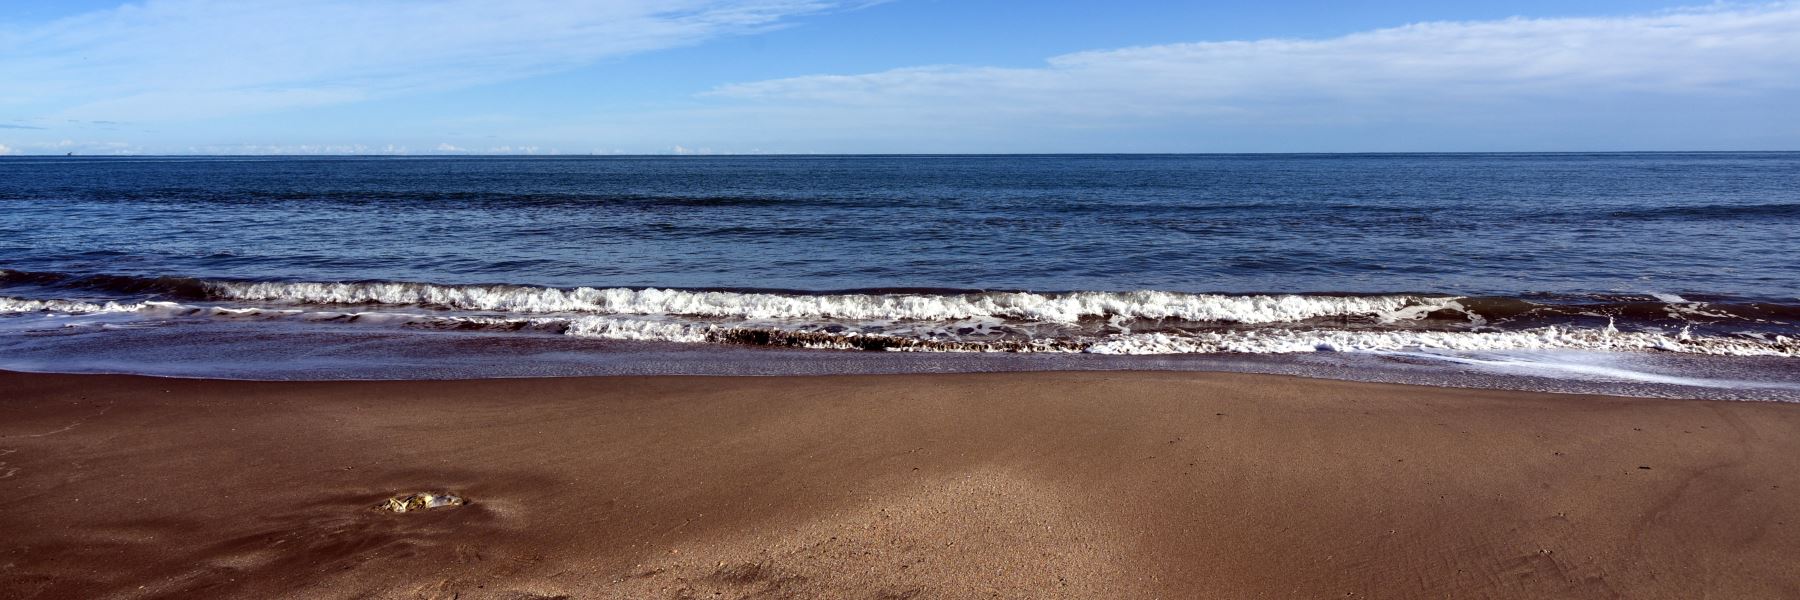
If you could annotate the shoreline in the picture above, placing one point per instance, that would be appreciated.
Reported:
(1037, 484)
(247, 352)
(1098, 372)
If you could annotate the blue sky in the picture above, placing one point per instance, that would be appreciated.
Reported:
(803, 76)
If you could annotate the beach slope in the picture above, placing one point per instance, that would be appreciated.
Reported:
(1039, 485)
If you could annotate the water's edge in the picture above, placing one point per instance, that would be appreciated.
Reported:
(245, 351)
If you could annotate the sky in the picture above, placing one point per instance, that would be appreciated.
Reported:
(894, 76)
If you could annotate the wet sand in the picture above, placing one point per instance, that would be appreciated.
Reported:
(1012, 485)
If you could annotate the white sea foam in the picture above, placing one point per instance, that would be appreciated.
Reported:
(1695, 309)
(1600, 366)
(1280, 341)
(74, 307)
(623, 329)
(1021, 306)
(938, 336)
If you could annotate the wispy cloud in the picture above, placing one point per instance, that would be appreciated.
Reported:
(75, 146)
(332, 149)
(184, 59)
(1460, 73)
(1720, 76)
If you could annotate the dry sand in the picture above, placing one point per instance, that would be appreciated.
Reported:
(1026, 485)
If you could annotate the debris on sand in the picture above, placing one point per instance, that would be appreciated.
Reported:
(420, 501)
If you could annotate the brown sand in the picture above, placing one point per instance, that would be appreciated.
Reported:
(1039, 485)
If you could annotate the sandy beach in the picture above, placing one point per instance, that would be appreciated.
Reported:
(1025, 485)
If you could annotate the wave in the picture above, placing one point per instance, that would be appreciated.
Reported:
(1543, 338)
(75, 307)
(170, 286)
(1715, 212)
(1101, 322)
(1063, 308)
(1025, 306)
(365, 197)
(1121, 308)
(1272, 340)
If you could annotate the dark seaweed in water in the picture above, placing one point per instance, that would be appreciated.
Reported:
(877, 342)
(803, 339)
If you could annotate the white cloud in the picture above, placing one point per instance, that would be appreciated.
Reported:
(184, 59)
(448, 147)
(1722, 76)
(74, 146)
(1657, 67)
(295, 149)
(1729, 51)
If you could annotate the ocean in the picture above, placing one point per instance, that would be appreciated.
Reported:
(1643, 273)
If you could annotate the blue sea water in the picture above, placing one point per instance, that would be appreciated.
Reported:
(1168, 255)
(1718, 224)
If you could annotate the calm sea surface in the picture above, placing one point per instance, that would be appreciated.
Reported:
(1710, 224)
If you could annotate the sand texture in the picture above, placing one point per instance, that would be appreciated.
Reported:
(1023, 485)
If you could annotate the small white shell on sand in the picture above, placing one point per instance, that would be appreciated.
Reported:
(420, 501)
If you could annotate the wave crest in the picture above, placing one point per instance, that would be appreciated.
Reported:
(1064, 308)
(1267, 340)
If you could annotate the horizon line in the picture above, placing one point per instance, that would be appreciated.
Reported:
(901, 154)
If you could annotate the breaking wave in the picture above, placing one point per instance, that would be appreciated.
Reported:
(1137, 322)
(963, 337)
(76, 307)
(1064, 308)
(1048, 308)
